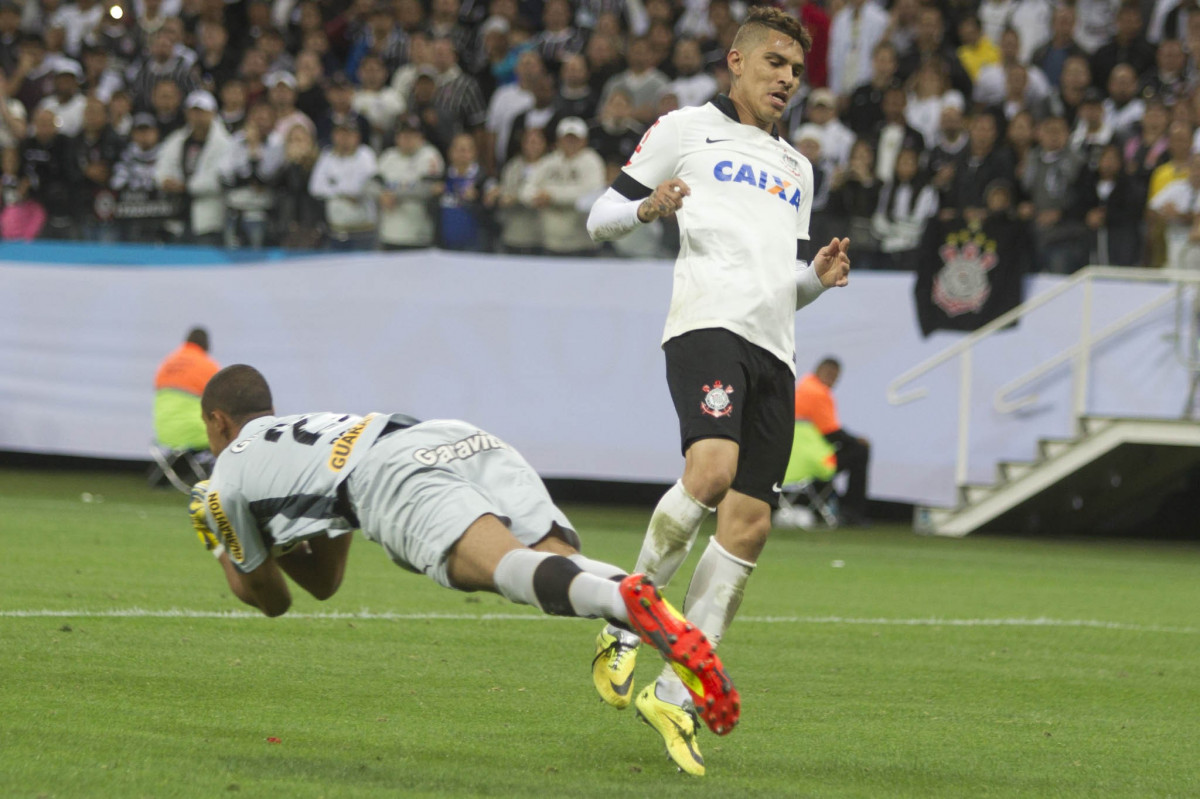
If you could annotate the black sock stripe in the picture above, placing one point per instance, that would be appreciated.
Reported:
(552, 582)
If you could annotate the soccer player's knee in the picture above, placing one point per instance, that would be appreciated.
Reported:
(709, 482)
(552, 583)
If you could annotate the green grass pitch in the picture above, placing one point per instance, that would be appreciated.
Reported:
(916, 668)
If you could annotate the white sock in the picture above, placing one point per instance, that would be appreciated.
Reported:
(597, 567)
(673, 527)
(556, 585)
(713, 597)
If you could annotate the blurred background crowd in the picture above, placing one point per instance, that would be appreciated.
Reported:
(491, 125)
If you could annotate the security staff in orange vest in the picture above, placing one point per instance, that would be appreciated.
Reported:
(178, 384)
(814, 403)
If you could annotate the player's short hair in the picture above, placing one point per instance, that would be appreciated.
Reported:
(199, 337)
(240, 391)
(764, 18)
(828, 360)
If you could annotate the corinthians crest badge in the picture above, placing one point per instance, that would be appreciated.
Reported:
(716, 399)
(962, 285)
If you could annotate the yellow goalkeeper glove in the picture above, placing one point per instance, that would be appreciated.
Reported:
(200, 518)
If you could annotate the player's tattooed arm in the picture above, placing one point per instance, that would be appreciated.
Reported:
(664, 201)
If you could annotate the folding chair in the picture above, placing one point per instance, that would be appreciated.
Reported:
(807, 492)
(179, 467)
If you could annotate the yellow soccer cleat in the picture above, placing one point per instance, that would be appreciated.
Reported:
(612, 669)
(677, 726)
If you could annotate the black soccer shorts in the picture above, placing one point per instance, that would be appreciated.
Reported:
(725, 387)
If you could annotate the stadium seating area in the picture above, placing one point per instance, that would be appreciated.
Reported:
(490, 125)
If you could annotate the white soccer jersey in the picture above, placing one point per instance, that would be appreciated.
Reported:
(277, 484)
(751, 199)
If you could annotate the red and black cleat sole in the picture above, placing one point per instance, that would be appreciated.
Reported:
(687, 648)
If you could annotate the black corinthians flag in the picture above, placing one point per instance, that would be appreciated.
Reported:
(968, 273)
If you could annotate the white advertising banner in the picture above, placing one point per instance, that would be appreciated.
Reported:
(559, 357)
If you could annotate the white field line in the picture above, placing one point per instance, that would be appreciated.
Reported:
(368, 615)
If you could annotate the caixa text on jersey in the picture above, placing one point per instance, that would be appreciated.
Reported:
(725, 172)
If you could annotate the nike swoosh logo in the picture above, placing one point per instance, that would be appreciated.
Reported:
(778, 489)
(716, 141)
(623, 688)
(687, 740)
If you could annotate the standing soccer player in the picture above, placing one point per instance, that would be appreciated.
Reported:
(743, 198)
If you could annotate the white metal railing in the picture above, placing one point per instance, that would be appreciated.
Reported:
(1079, 353)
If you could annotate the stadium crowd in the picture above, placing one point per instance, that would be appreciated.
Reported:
(493, 124)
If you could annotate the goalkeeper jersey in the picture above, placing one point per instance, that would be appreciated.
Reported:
(750, 203)
(277, 483)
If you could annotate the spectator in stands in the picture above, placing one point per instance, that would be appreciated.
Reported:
(189, 165)
(1049, 181)
(864, 110)
(299, 216)
(1095, 23)
(1115, 207)
(817, 21)
(1123, 109)
(543, 114)
(12, 118)
(178, 384)
(93, 153)
(853, 34)
(458, 102)
(281, 94)
(10, 36)
(616, 133)
(48, 180)
(498, 57)
(310, 93)
(253, 72)
(1051, 57)
(606, 62)
(975, 50)
(558, 39)
(926, 98)
(1169, 81)
(815, 403)
(520, 223)
(853, 198)
(166, 104)
(893, 134)
(1092, 132)
(160, 63)
(1019, 139)
(67, 101)
(461, 222)
(576, 98)
(901, 32)
(100, 79)
(233, 104)
(343, 178)
(218, 63)
(950, 140)
(33, 78)
(376, 101)
(509, 102)
(410, 173)
(1128, 46)
(444, 23)
(248, 173)
(930, 45)
(134, 181)
(339, 95)
(382, 38)
(563, 185)
(641, 81)
(691, 85)
(836, 138)
(978, 165)
(1175, 165)
(1177, 208)
(1146, 149)
(906, 204)
(994, 83)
